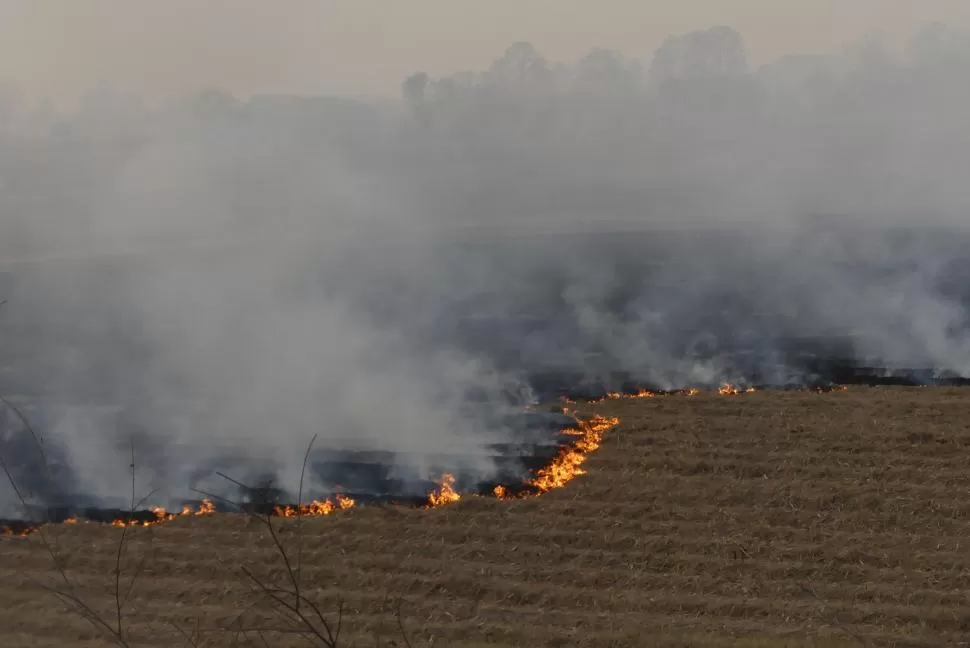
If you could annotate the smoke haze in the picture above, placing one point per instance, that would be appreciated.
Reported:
(221, 279)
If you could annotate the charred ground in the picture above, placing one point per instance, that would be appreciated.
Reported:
(768, 518)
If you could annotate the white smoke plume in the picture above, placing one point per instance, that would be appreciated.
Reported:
(246, 274)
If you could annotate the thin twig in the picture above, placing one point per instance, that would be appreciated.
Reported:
(248, 489)
(121, 545)
(849, 631)
(192, 643)
(400, 624)
(83, 610)
(275, 595)
(217, 497)
(299, 521)
(69, 594)
(27, 426)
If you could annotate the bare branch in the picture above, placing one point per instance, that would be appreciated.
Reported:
(299, 520)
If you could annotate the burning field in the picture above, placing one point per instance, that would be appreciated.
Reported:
(544, 354)
(733, 519)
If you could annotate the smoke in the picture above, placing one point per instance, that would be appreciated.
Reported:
(220, 280)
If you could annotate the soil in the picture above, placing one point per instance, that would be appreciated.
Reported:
(762, 519)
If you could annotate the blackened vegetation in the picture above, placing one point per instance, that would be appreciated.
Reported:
(821, 374)
(369, 477)
(641, 312)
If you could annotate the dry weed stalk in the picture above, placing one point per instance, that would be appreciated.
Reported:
(299, 614)
(114, 629)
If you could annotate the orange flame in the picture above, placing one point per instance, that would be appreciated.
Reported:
(567, 463)
(615, 395)
(822, 390)
(728, 389)
(445, 493)
(206, 507)
(316, 508)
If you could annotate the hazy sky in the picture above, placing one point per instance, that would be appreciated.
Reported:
(368, 46)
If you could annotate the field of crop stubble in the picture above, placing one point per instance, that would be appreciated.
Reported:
(759, 519)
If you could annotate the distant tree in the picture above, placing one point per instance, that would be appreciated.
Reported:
(520, 65)
(414, 93)
(211, 103)
(713, 53)
(937, 43)
(414, 87)
(606, 70)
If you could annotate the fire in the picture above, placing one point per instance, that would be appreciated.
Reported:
(610, 395)
(316, 508)
(161, 514)
(822, 390)
(728, 389)
(445, 493)
(206, 507)
(567, 463)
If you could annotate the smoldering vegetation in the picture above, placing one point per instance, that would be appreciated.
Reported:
(216, 280)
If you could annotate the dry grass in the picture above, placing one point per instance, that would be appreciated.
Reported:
(761, 520)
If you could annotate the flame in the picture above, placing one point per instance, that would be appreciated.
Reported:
(822, 390)
(316, 508)
(564, 467)
(567, 463)
(727, 389)
(615, 395)
(206, 507)
(445, 493)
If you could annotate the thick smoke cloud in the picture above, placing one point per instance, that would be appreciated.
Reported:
(224, 279)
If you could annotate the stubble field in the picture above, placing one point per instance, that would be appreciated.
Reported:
(762, 519)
